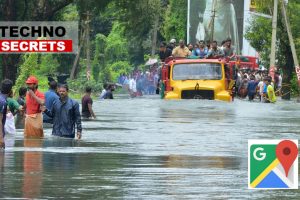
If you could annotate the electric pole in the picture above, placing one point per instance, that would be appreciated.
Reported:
(273, 43)
(292, 44)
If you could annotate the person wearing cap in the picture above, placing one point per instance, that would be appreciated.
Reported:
(34, 118)
(172, 44)
(181, 51)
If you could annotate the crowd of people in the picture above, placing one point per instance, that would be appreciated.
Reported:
(141, 82)
(33, 108)
(258, 84)
(252, 84)
(199, 50)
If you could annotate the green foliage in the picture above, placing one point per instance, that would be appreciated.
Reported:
(29, 67)
(116, 44)
(294, 85)
(259, 33)
(175, 20)
(99, 58)
(78, 85)
(118, 68)
(49, 64)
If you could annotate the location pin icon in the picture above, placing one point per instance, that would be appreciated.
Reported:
(286, 152)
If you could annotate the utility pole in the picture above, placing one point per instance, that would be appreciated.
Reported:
(213, 15)
(154, 39)
(74, 67)
(273, 43)
(292, 44)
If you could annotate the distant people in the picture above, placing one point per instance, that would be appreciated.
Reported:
(109, 94)
(172, 44)
(271, 97)
(258, 76)
(279, 84)
(50, 97)
(65, 113)
(228, 49)
(196, 51)
(34, 118)
(260, 88)
(103, 93)
(252, 84)
(190, 47)
(243, 87)
(203, 49)
(87, 104)
(181, 51)
(164, 52)
(223, 44)
(215, 51)
(121, 79)
(20, 117)
(132, 87)
(265, 90)
(208, 44)
(6, 89)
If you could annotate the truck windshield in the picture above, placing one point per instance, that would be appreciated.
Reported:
(197, 71)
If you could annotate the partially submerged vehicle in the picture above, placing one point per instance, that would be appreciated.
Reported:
(245, 63)
(211, 79)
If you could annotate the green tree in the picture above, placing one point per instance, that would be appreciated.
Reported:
(30, 10)
(29, 67)
(175, 20)
(99, 58)
(259, 35)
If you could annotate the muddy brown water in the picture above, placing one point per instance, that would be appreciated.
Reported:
(147, 148)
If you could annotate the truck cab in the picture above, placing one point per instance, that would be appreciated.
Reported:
(211, 79)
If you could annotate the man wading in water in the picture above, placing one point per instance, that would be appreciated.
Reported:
(87, 103)
(65, 113)
(6, 86)
(34, 118)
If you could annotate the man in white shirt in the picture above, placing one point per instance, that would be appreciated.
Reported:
(103, 93)
(132, 86)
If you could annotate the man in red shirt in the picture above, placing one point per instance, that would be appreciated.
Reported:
(34, 118)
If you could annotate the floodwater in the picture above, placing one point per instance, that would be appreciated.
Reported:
(147, 148)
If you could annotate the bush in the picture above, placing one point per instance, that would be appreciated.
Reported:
(294, 86)
(79, 85)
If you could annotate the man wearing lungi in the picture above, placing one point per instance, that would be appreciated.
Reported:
(34, 118)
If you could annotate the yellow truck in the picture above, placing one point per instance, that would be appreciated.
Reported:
(211, 79)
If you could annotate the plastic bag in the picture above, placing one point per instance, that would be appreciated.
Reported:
(10, 127)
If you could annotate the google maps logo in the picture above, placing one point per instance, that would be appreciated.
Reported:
(273, 164)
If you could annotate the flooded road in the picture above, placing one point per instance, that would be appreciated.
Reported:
(150, 149)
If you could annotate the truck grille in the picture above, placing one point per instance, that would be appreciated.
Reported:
(197, 94)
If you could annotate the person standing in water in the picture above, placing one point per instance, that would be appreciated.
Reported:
(50, 97)
(34, 118)
(6, 89)
(87, 104)
(65, 113)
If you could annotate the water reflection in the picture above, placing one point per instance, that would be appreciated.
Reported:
(183, 161)
(149, 149)
(2, 171)
(33, 169)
